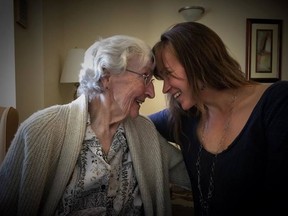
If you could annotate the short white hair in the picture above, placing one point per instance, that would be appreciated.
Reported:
(110, 54)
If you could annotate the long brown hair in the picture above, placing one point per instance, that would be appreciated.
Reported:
(204, 57)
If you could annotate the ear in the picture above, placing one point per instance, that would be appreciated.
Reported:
(106, 82)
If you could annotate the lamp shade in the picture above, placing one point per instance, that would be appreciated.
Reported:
(72, 66)
(191, 13)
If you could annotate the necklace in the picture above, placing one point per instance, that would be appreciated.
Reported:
(205, 200)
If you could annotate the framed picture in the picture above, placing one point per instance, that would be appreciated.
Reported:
(263, 49)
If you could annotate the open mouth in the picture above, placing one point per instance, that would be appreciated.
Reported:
(177, 94)
(139, 101)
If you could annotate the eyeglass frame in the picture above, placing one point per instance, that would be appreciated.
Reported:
(144, 76)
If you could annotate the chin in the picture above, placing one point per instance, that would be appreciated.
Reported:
(134, 113)
(186, 106)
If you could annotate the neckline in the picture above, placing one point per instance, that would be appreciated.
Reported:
(250, 118)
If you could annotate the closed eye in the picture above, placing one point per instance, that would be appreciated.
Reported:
(161, 75)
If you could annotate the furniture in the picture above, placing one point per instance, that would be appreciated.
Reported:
(9, 121)
(182, 201)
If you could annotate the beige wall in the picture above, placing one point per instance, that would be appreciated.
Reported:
(7, 60)
(29, 62)
(55, 26)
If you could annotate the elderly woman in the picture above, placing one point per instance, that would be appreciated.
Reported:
(96, 155)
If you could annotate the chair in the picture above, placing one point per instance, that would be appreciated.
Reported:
(9, 121)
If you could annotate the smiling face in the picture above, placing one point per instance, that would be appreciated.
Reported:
(175, 79)
(129, 89)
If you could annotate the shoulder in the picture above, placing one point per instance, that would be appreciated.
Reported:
(47, 113)
(57, 113)
(160, 114)
(160, 118)
(45, 120)
(282, 83)
(143, 121)
(140, 126)
(275, 94)
(274, 101)
(278, 87)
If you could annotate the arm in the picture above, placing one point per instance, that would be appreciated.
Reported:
(177, 170)
(25, 168)
(161, 122)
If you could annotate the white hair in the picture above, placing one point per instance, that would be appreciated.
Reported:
(111, 54)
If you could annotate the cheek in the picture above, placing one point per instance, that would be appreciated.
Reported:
(179, 83)
(127, 97)
(188, 99)
(133, 90)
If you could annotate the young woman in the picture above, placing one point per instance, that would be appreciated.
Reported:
(233, 132)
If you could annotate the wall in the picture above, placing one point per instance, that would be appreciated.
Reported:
(29, 62)
(52, 49)
(7, 60)
(57, 26)
(86, 20)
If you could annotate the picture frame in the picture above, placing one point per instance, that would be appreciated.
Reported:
(21, 12)
(263, 49)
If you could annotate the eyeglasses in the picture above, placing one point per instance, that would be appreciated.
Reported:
(147, 78)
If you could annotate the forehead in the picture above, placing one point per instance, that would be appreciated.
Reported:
(164, 54)
(138, 63)
(168, 56)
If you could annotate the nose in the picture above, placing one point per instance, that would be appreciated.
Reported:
(166, 86)
(149, 90)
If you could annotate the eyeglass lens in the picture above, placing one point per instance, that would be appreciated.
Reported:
(147, 78)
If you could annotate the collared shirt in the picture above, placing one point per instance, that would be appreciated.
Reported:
(102, 184)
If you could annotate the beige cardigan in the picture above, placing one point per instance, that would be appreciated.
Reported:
(44, 152)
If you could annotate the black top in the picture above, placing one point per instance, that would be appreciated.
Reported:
(251, 176)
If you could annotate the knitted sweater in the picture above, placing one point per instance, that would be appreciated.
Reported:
(43, 154)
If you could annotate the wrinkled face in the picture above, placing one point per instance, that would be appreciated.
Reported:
(175, 80)
(129, 89)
